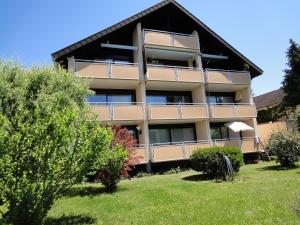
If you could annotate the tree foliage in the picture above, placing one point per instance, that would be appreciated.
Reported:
(127, 141)
(118, 160)
(291, 80)
(47, 142)
(286, 147)
(110, 167)
(211, 160)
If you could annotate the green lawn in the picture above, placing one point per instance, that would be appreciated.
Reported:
(262, 194)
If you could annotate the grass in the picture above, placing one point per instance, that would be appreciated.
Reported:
(262, 194)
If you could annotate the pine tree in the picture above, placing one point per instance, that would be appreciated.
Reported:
(291, 80)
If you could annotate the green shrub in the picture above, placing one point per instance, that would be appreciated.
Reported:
(110, 167)
(285, 146)
(211, 160)
(47, 142)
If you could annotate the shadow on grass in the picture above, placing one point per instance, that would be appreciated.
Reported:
(277, 167)
(70, 220)
(88, 191)
(84, 191)
(197, 177)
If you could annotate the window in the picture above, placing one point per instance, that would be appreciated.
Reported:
(96, 99)
(165, 98)
(132, 131)
(218, 131)
(160, 135)
(168, 134)
(112, 96)
(182, 134)
(220, 98)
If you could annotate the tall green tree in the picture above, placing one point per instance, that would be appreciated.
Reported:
(47, 140)
(291, 80)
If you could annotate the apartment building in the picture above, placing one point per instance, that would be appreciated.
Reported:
(173, 82)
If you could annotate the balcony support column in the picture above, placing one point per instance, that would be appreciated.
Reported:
(198, 54)
(71, 64)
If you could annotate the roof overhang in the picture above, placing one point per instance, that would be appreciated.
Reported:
(69, 49)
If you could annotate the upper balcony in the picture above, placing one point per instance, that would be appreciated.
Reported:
(215, 76)
(101, 74)
(232, 110)
(169, 40)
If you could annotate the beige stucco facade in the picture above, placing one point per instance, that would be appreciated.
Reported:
(193, 79)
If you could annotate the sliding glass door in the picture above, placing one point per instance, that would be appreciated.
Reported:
(172, 134)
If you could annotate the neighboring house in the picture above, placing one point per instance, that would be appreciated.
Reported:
(269, 100)
(268, 106)
(168, 78)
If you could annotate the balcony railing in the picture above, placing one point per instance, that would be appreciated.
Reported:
(106, 70)
(216, 76)
(141, 151)
(183, 150)
(177, 111)
(133, 111)
(172, 73)
(247, 144)
(169, 39)
(231, 110)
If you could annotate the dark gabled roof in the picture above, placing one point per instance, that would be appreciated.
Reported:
(271, 98)
(140, 15)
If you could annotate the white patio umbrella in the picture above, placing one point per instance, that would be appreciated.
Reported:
(239, 126)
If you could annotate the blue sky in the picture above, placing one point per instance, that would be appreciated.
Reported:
(31, 30)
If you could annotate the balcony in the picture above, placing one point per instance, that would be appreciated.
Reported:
(247, 145)
(213, 76)
(182, 151)
(168, 40)
(142, 154)
(171, 73)
(177, 112)
(176, 151)
(101, 73)
(119, 111)
(232, 110)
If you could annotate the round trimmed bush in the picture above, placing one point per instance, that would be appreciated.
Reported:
(286, 147)
(211, 161)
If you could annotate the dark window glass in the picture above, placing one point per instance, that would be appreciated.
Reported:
(119, 98)
(158, 97)
(215, 133)
(96, 99)
(219, 131)
(112, 96)
(182, 134)
(166, 134)
(220, 98)
(159, 136)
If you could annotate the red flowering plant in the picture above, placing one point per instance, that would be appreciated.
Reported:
(122, 137)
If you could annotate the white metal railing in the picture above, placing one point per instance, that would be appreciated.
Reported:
(179, 107)
(101, 62)
(176, 70)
